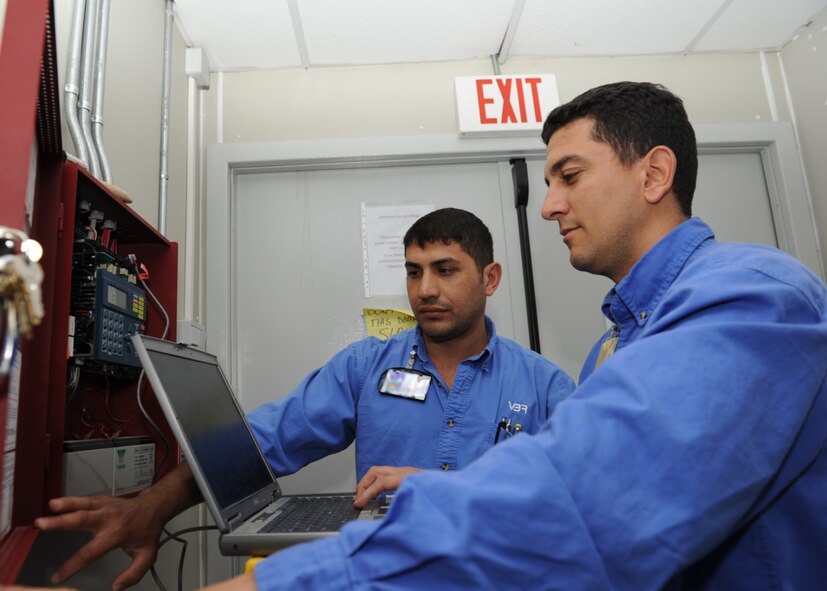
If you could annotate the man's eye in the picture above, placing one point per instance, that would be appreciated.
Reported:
(412, 274)
(569, 177)
(446, 271)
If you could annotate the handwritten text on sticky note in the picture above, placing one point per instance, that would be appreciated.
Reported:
(384, 323)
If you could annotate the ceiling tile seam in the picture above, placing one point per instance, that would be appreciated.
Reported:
(586, 56)
(298, 30)
(510, 31)
(527, 56)
(709, 24)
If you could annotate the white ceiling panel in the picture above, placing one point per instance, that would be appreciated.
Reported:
(239, 35)
(610, 27)
(258, 34)
(759, 24)
(388, 31)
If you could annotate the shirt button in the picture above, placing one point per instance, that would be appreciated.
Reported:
(445, 467)
(451, 423)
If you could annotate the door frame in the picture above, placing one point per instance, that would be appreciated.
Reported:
(787, 188)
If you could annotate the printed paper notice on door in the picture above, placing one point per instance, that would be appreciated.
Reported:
(383, 228)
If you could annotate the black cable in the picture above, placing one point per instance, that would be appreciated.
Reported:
(188, 530)
(176, 536)
(184, 544)
(181, 567)
(156, 578)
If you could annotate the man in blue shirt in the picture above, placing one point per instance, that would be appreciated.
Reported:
(478, 378)
(483, 388)
(693, 455)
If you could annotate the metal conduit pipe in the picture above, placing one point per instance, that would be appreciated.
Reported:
(86, 83)
(165, 92)
(495, 63)
(100, 76)
(71, 88)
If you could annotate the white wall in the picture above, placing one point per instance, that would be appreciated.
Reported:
(415, 99)
(412, 99)
(805, 65)
(2, 17)
(132, 108)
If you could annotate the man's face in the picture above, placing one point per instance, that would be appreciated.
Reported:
(446, 290)
(596, 201)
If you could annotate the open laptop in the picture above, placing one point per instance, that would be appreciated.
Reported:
(240, 490)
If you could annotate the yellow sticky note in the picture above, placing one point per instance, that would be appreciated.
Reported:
(384, 323)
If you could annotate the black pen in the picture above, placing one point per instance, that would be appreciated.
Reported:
(502, 425)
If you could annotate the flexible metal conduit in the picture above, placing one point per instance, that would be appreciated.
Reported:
(87, 82)
(165, 92)
(100, 76)
(71, 89)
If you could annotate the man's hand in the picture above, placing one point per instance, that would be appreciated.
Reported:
(378, 479)
(131, 524)
(115, 523)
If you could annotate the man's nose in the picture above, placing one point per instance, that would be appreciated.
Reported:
(554, 204)
(428, 286)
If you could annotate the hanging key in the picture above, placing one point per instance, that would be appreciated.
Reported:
(20, 281)
(21, 277)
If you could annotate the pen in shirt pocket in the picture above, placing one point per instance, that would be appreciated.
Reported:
(505, 429)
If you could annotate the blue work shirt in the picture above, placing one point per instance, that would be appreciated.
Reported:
(692, 459)
(341, 401)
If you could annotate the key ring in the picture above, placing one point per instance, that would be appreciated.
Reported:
(13, 244)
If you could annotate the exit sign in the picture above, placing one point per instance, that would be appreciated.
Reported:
(504, 105)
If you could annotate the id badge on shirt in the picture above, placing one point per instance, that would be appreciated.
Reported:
(406, 383)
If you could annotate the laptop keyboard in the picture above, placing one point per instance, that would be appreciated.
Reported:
(303, 514)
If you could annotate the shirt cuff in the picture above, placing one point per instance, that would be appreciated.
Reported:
(320, 565)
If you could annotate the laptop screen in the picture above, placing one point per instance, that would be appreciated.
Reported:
(217, 434)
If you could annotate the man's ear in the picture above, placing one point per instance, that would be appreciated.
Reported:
(661, 164)
(492, 274)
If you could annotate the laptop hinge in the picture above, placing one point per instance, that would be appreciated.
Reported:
(235, 520)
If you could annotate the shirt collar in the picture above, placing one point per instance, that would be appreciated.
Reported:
(422, 351)
(641, 290)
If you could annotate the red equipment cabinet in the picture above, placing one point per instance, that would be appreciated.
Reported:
(27, 68)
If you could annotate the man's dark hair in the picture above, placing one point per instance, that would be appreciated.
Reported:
(454, 225)
(633, 118)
